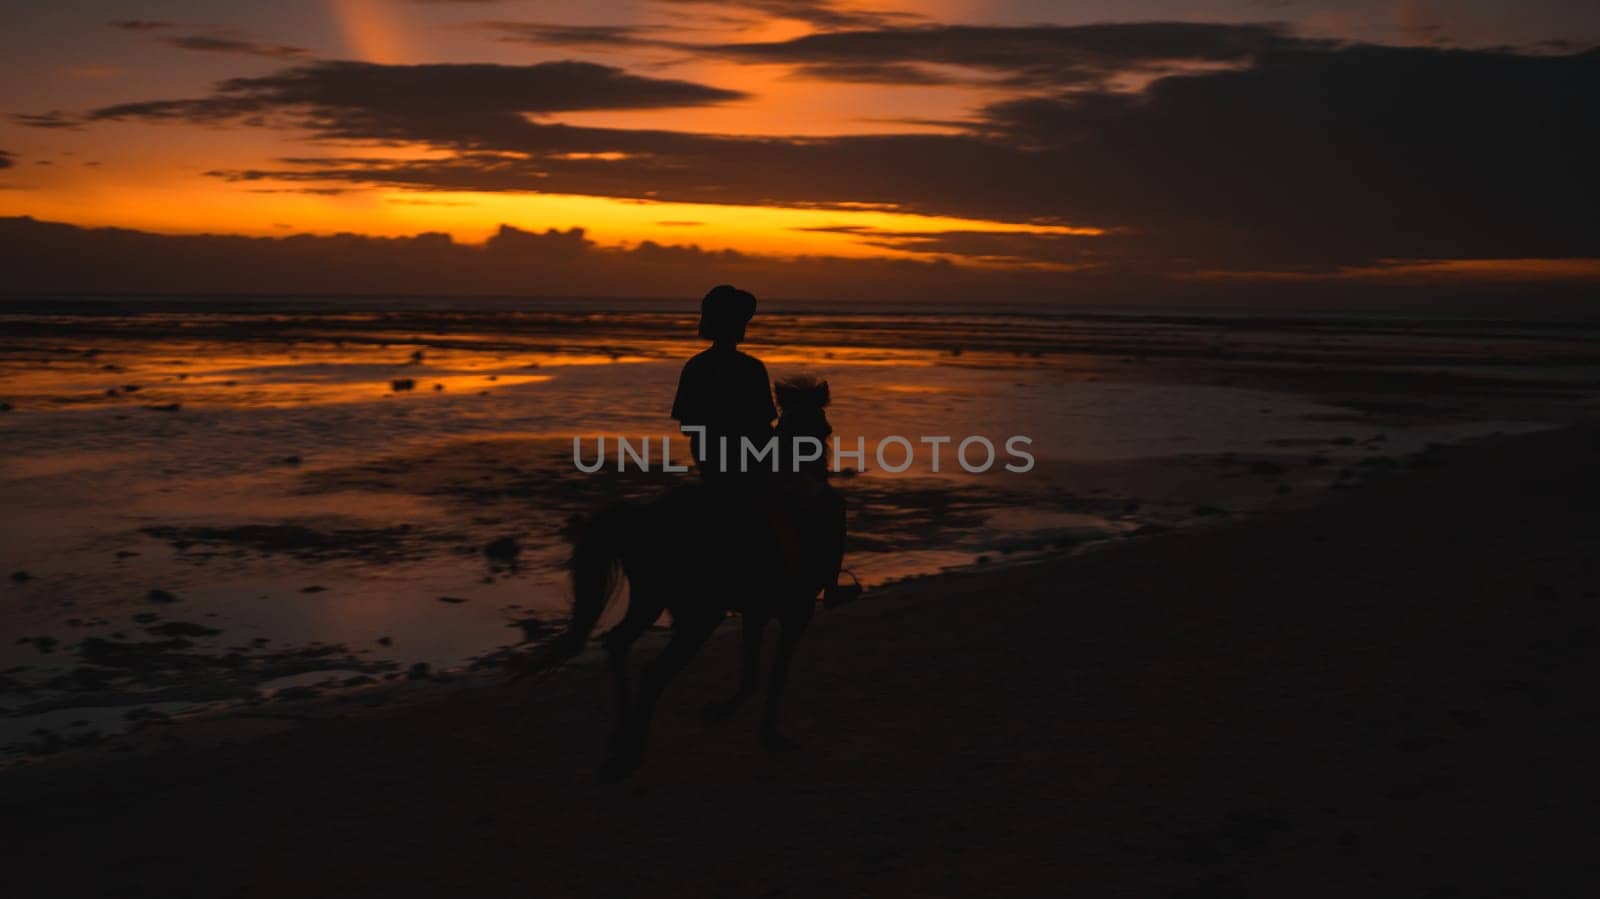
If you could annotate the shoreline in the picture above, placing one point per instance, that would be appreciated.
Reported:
(1365, 693)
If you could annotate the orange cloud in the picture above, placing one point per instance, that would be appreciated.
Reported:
(1402, 270)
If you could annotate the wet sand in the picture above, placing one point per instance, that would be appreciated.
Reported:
(1387, 694)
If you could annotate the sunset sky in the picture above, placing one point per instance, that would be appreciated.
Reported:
(1246, 140)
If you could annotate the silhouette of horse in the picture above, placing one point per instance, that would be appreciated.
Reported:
(700, 552)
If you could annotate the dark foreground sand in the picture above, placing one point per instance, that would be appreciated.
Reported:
(1389, 695)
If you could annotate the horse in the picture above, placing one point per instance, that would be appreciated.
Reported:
(700, 553)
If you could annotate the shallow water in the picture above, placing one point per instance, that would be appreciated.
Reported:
(317, 489)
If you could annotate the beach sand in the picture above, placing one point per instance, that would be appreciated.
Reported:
(1388, 694)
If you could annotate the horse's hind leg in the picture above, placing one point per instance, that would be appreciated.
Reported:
(755, 625)
(794, 622)
(688, 633)
(641, 616)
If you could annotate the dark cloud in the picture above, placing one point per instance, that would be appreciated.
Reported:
(423, 102)
(47, 258)
(6, 160)
(52, 119)
(1030, 56)
(220, 39)
(821, 13)
(312, 191)
(1320, 158)
(601, 36)
(986, 246)
(1306, 158)
(1286, 154)
(872, 73)
(1035, 55)
(210, 44)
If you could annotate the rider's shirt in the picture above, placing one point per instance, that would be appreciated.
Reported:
(727, 393)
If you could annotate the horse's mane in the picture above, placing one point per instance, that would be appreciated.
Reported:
(801, 393)
(802, 400)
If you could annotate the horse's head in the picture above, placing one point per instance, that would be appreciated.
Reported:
(802, 400)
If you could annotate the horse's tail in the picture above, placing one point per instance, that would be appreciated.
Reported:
(595, 568)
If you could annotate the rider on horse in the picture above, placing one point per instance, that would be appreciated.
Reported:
(762, 542)
(726, 393)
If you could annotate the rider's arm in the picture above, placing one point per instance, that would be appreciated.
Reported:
(686, 404)
(758, 404)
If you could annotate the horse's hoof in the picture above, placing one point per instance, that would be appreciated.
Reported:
(772, 741)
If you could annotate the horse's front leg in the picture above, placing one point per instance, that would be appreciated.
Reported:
(755, 625)
(794, 621)
(627, 751)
